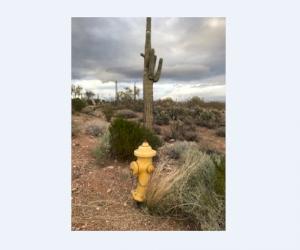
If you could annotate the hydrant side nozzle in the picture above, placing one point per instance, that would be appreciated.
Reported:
(150, 169)
(134, 168)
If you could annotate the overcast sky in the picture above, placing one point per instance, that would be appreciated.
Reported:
(193, 49)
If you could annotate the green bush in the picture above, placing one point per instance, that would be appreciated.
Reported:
(126, 136)
(78, 104)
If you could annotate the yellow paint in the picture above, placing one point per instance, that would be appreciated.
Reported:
(142, 168)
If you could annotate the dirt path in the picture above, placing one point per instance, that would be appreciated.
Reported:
(101, 198)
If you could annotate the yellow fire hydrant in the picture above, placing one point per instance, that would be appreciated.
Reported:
(142, 168)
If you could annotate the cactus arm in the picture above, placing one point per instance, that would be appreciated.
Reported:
(152, 62)
(158, 72)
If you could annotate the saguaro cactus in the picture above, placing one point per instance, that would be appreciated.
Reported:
(150, 76)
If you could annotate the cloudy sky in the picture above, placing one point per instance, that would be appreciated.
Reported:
(108, 49)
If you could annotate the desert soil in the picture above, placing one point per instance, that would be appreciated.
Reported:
(101, 198)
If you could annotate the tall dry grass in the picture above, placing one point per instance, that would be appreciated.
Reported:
(188, 187)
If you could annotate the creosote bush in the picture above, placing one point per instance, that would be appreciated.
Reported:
(193, 189)
(126, 136)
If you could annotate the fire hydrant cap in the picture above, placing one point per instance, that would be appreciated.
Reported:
(145, 150)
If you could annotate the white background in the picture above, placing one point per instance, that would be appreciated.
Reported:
(263, 123)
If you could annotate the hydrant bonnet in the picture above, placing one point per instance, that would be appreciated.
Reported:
(145, 150)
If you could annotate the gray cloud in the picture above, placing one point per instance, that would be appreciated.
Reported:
(108, 48)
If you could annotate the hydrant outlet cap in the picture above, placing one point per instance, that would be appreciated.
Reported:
(144, 150)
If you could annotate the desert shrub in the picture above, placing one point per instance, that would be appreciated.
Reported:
(89, 102)
(101, 152)
(207, 148)
(126, 114)
(161, 118)
(191, 190)
(215, 105)
(180, 131)
(188, 120)
(166, 134)
(195, 101)
(138, 106)
(209, 118)
(78, 104)
(177, 130)
(189, 127)
(126, 136)
(95, 129)
(221, 132)
(108, 112)
(167, 102)
(88, 109)
(157, 129)
(174, 154)
(176, 112)
(190, 135)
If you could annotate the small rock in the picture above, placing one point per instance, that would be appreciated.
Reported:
(125, 204)
(108, 190)
(172, 140)
(98, 208)
(110, 167)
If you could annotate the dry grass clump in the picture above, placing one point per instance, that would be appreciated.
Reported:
(101, 152)
(190, 186)
(96, 128)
